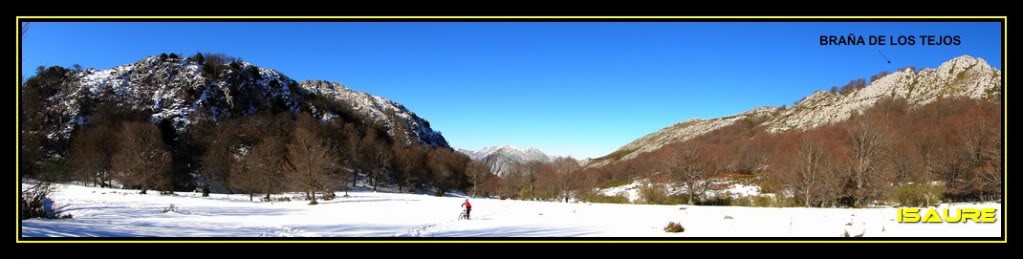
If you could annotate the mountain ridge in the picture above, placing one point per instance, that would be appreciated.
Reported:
(501, 159)
(960, 76)
(181, 91)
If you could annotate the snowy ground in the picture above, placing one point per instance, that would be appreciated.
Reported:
(125, 213)
(631, 191)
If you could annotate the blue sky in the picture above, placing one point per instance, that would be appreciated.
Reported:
(581, 89)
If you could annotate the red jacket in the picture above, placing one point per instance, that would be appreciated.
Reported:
(467, 205)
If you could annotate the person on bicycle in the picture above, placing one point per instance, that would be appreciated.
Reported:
(468, 208)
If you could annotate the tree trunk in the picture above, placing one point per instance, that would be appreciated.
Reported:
(206, 191)
(268, 196)
(312, 196)
(807, 199)
(355, 176)
(691, 195)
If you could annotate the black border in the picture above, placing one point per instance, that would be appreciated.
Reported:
(783, 240)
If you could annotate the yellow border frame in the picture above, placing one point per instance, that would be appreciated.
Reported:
(1005, 42)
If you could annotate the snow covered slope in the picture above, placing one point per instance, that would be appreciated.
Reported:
(102, 212)
(378, 109)
(177, 91)
(502, 158)
(963, 76)
(679, 132)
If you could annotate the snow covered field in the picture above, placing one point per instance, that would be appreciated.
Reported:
(100, 212)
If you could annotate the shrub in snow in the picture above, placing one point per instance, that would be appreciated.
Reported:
(846, 234)
(656, 194)
(673, 227)
(652, 194)
(755, 201)
(716, 201)
(328, 196)
(598, 198)
(170, 208)
(280, 199)
(919, 194)
(35, 203)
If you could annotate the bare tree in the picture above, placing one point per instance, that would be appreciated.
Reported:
(439, 162)
(546, 182)
(513, 181)
(478, 174)
(410, 165)
(264, 167)
(531, 171)
(219, 158)
(141, 159)
(982, 152)
(375, 158)
(685, 163)
(91, 152)
(565, 167)
(309, 163)
(813, 173)
(868, 146)
(350, 159)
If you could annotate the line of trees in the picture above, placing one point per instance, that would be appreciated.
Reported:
(252, 148)
(264, 154)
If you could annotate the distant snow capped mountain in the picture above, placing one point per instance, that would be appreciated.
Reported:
(963, 76)
(178, 92)
(503, 158)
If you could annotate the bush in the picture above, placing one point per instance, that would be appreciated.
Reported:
(616, 183)
(656, 194)
(599, 198)
(916, 194)
(328, 196)
(652, 194)
(280, 199)
(254, 73)
(35, 203)
(756, 201)
(215, 64)
(853, 85)
(170, 208)
(673, 227)
(715, 201)
(763, 201)
(879, 75)
(197, 58)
